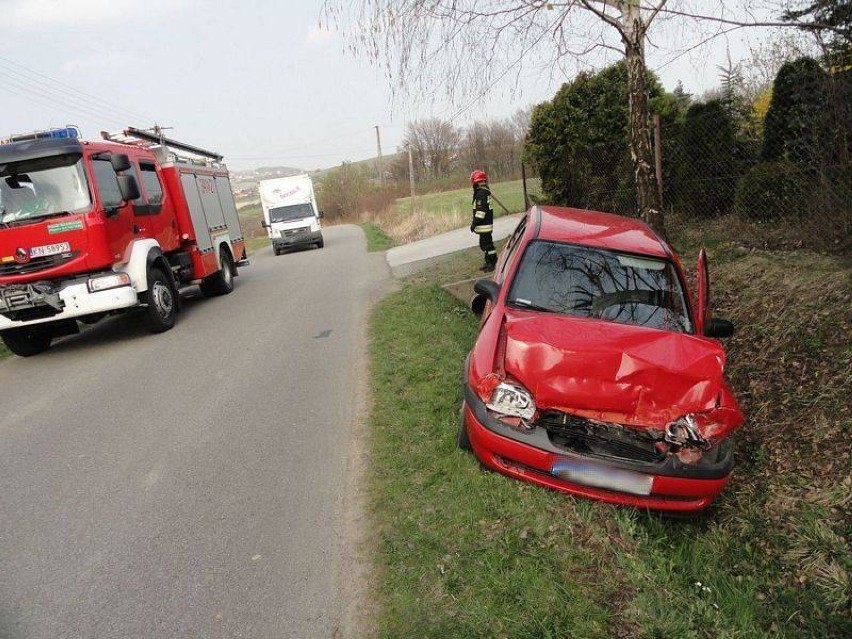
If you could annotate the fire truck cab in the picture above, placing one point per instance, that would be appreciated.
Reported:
(92, 228)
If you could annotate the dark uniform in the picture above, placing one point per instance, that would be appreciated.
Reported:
(483, 224)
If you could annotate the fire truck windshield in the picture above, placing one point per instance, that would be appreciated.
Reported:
(42, 187)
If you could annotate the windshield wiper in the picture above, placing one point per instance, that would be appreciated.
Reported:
(21, 221)
(529, 305)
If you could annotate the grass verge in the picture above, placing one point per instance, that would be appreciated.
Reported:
(464, 553)
(377, 240)
(426, 215)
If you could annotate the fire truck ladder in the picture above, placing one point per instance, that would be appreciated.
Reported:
(148, 139)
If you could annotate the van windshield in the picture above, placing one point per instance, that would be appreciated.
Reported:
(290, 213)
(599, 284)
(42, 187)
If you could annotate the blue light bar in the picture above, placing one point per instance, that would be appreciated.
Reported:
(69, 132)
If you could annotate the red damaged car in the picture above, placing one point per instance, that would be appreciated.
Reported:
(595, 372)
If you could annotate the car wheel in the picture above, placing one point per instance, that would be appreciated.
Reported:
(161, 311)
(321, 243)
(27, 340)
(221, 282)
(462, 439)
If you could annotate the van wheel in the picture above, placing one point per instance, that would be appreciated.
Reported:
(161, 310)
(27, 340)
(221, 282)
(321, 243)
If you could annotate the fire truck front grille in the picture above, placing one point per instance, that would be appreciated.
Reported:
(35, 265)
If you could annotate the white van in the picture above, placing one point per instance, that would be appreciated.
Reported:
(290, 213)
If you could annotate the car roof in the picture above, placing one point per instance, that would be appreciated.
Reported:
(602, 230)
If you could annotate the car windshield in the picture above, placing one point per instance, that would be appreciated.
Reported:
(290, 213)
(42, 187)
(588, 282)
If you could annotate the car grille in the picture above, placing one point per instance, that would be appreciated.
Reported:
(291, 232)
(36, 264)
(578, 435)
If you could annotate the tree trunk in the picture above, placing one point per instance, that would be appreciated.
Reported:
(648, 197)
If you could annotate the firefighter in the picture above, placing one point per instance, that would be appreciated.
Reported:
(483, 218)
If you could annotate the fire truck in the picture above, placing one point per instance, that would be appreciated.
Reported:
(94, 228)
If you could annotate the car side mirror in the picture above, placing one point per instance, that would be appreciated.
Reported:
(486, 289)
(120, 162)
(719, 328)
(265, 224)
(321, 214)
(128, 187)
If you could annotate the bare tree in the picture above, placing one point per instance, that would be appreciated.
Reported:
(435, 145)
(468, 46)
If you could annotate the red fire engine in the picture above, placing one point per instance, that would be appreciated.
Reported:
(91, 228)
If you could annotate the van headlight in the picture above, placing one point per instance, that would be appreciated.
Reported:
(512, 400)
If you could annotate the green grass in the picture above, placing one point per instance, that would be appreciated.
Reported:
(466, 553)
(4, 352)
(377, 240)
(509, 193)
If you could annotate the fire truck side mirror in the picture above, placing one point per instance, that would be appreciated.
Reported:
(120, 162)
(128, 187)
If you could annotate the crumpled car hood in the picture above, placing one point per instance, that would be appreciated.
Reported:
(612, 372)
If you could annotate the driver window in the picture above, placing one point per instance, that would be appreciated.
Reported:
(107, 184)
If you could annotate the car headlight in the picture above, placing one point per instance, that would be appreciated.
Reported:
(105, 282)
(512, 400)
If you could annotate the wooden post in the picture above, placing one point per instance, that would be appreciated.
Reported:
(524, 182)
(411, 174)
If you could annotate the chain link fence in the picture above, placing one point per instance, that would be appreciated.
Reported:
(723, 173)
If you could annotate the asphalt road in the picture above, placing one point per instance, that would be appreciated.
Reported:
(197, 483)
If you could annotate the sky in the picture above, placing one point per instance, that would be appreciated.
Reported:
(260, 81)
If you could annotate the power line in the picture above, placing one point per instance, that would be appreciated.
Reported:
(53, 105)
(115, 109)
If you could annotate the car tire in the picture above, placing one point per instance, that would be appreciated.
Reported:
(221, 282)
(321, 243)
(462, 438)
(161, 300)
(27, 341)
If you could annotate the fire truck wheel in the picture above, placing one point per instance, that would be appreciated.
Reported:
(27, 340)
(222, 282)
(161, 309)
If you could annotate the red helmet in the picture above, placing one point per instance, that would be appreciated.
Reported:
(478, 176)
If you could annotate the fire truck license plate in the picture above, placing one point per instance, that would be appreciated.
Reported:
(50, 249)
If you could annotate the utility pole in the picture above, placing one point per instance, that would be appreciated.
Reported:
(411, 173)
(379, 161)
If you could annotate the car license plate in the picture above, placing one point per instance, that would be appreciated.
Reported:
(50, 249)
(588, 473)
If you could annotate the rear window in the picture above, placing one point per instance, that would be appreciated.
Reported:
(582, 281)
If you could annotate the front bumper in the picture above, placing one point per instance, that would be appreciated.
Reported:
(670, 486)
(297, 239)
(77, 301)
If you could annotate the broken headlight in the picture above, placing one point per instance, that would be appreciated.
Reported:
(512, 400)
(689, 439)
